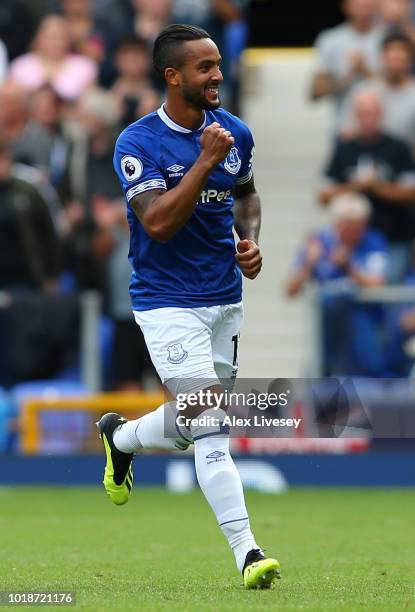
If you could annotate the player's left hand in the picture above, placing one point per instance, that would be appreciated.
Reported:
(249, 258)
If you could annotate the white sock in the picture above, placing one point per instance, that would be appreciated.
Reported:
(156, 429)
(221, 484)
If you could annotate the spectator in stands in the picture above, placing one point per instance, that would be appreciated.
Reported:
(14, 116)
(401, 332)
(397, 19)
(150, 17)
(347, 53)
(29, 249)
(381, 167)
(114, 13)
(93, 183)
(109, 235)
(99, 117)
(85, 38)
(341, 258)
(402, 351)
(132, 89)
(114, 19)
(395, 86)
(131, 360)
(43, 143)
(51, 62)
(236, 39)
(13, 111)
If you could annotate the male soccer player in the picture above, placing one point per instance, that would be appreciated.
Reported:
(186, 171)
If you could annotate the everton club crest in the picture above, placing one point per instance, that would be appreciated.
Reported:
(233, 161)
(176, 353)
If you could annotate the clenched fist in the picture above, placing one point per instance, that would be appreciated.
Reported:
(249, 258)
(216, 142)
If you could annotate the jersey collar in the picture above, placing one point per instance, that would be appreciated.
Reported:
(175, 126)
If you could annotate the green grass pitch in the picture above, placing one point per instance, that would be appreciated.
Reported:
(339, 549)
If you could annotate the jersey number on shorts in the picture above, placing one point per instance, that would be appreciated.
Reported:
(235, 349)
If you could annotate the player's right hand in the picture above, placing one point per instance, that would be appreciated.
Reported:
(216, 143)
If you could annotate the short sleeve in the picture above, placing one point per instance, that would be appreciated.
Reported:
(136, 163)
(246, 172)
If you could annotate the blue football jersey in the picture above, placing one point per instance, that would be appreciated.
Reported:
(196, 267)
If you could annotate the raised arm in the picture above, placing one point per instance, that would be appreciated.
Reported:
(163, 213)
(325, 84)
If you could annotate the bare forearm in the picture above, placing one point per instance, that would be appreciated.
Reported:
(326, 195)
(298, 279)
(393, 192)
(169, 212)
(247, 216)
(399, 194)
(325, 85)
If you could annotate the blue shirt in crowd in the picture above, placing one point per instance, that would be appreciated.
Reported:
(369, 256)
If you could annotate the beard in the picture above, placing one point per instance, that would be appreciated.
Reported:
(197, 100)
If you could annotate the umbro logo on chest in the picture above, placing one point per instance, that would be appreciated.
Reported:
(175, 171)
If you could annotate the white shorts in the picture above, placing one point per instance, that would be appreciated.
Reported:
(190, 345)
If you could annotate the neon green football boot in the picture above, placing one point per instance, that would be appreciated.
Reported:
(118, 475)
(259, 572)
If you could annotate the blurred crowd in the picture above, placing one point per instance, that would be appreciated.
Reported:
(73, 74)
(366, 68)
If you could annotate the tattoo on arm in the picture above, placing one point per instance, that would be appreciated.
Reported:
(141, 203)
(247, 211)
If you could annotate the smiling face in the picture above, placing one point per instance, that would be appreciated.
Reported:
(199, 77)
